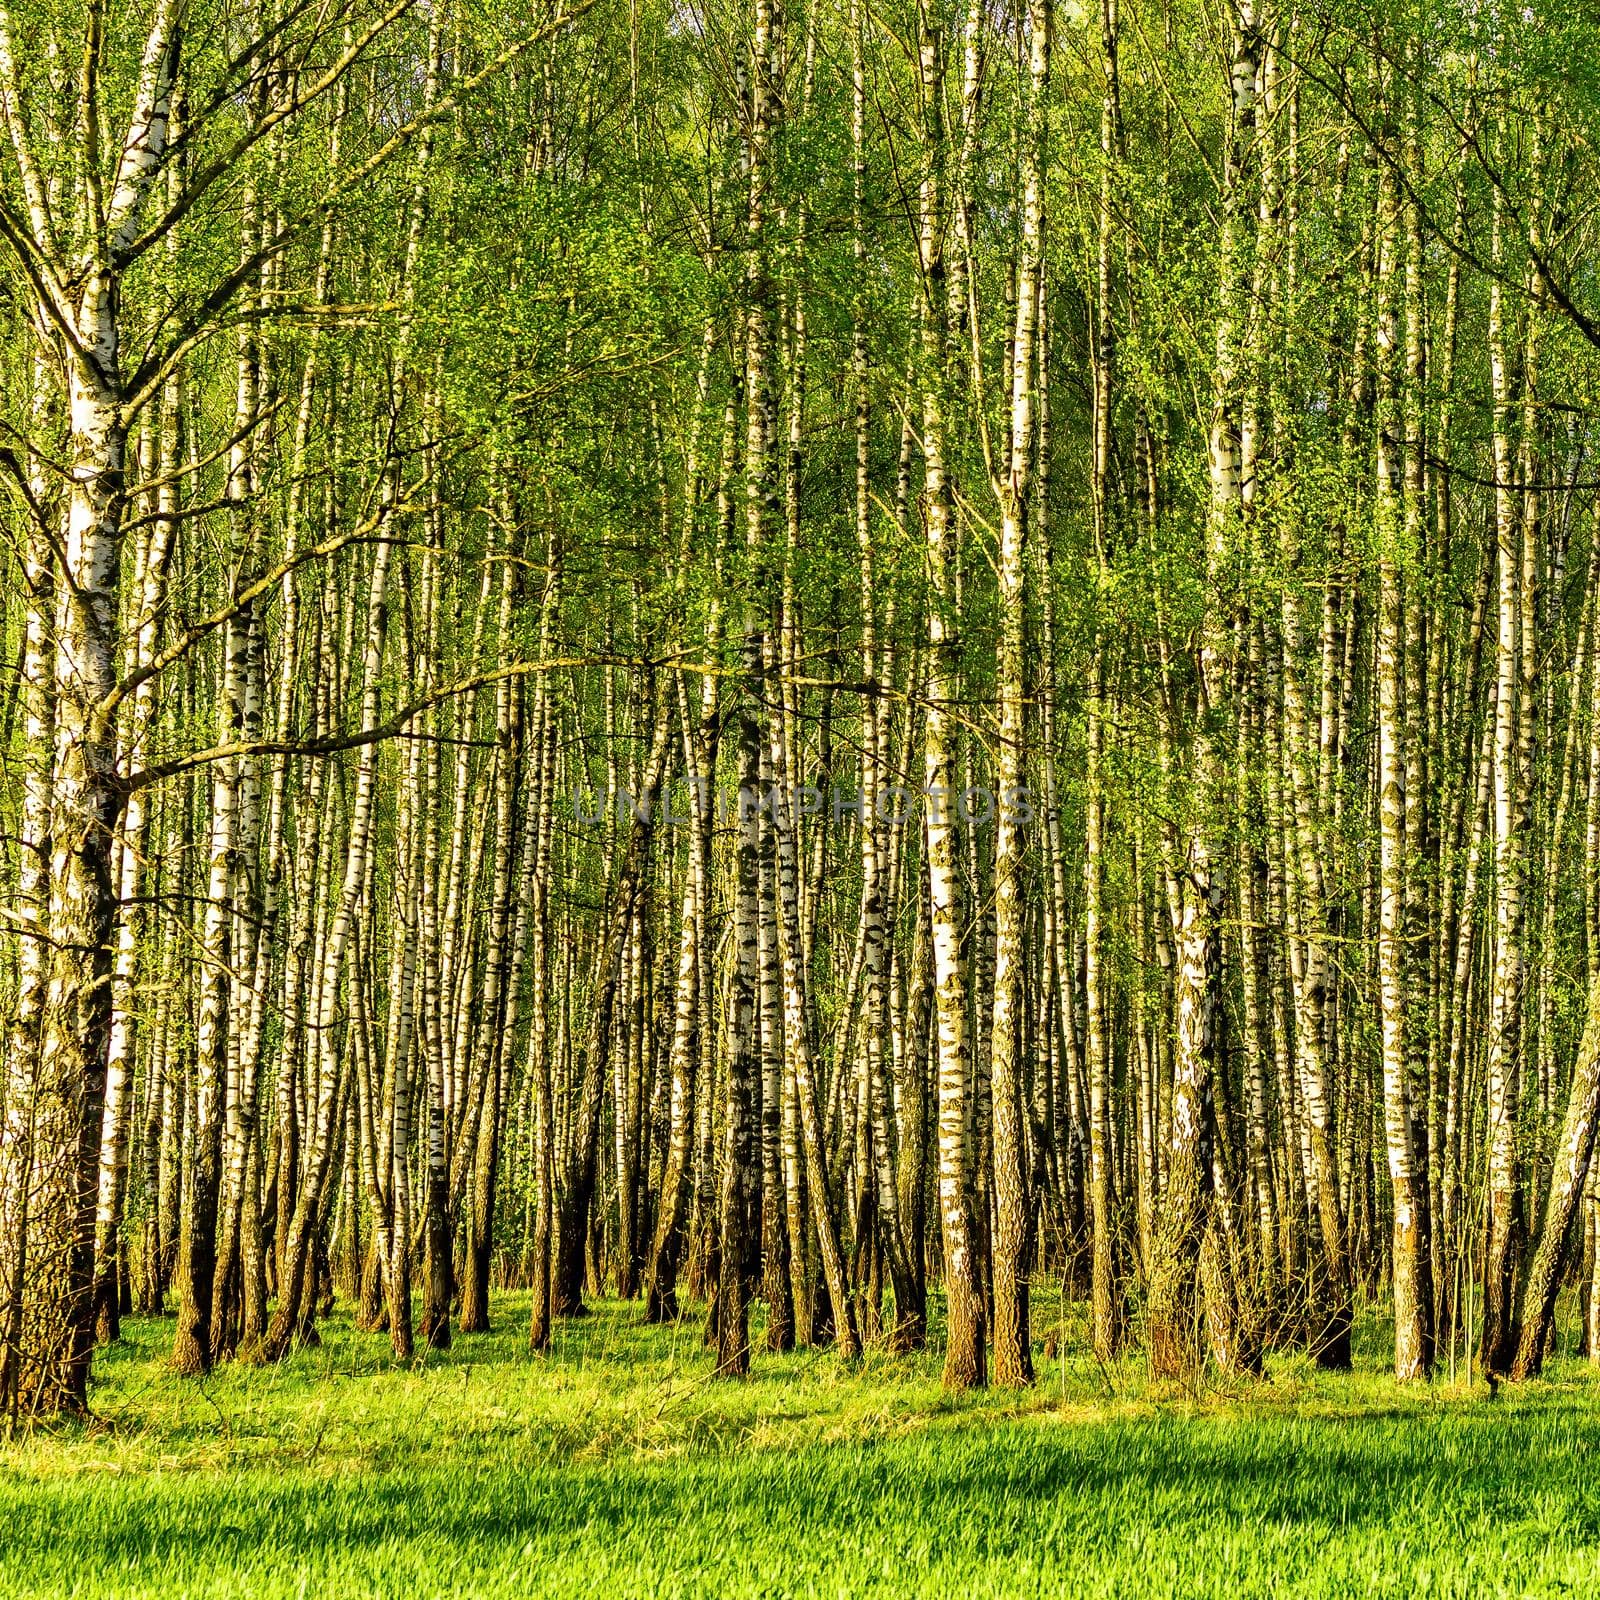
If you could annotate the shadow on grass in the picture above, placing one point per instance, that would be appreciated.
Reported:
(616, 1465)
(970, 1493)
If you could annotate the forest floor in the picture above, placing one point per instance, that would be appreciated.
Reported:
(615, 1466)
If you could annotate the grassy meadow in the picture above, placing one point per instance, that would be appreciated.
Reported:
(616, 1467)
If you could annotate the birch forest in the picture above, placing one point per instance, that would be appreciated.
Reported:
(863, 675)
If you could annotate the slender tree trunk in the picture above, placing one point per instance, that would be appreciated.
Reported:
(1013, 1358)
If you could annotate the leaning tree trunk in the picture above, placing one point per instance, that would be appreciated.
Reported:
(1570, 1179)
(297, 1276)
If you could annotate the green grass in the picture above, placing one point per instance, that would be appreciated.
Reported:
(615, 1466)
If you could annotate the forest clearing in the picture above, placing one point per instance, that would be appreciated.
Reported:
(799, 795)
(617, 1464)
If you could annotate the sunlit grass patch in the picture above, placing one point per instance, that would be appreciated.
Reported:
(616, 1465)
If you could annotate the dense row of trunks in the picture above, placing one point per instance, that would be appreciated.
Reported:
(794, 660)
